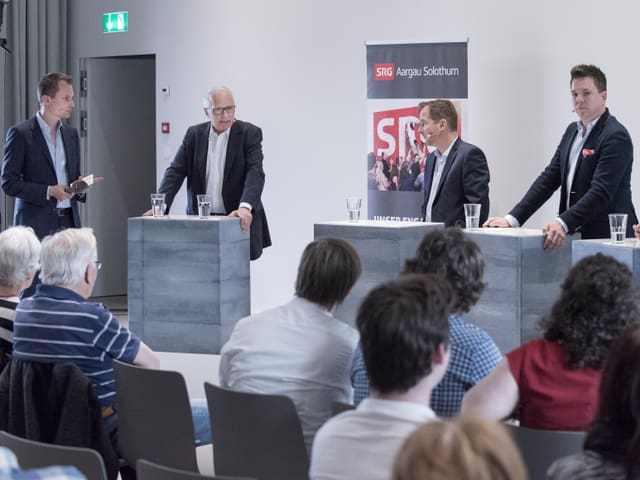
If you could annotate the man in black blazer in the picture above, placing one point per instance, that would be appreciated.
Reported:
(591, 166)
(222, 158)
(456, 172)
(42, 158)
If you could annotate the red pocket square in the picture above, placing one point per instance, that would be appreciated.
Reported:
(587, 152)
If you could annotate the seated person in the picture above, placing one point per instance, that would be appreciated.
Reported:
(453, 255)
(404, 334)
(552, 383)
(612, 445)
(10, 470)
(19, 262)
(461, 449)
(300, 349)
(60, 324)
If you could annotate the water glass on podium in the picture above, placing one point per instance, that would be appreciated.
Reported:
(204, 206)
(158, 205)
(353, 207)
(472, 215)
(618, 227)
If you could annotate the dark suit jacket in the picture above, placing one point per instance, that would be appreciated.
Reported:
(28, 169)
(243, 175)
(465, 179)
(601, 182)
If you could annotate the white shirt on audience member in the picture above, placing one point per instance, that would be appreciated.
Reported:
(299, 350)
(362, 444)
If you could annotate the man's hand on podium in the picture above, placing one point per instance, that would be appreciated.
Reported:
(245, 218)
(554, 235)
(496, 222)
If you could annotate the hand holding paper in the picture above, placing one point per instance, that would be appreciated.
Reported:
(83, 183)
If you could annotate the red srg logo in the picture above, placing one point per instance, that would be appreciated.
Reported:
(384, 71)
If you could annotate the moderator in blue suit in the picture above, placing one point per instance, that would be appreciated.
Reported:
(42, 158)
(222, 158)
(456, 172)
(591, 166)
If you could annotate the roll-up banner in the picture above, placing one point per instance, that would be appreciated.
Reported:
(399, 76)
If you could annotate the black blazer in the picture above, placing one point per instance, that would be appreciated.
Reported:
(464, 179)
(601, 182)
(27, 171)
(243, 175)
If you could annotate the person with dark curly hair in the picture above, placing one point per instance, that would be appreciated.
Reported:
(612, 445)
(552, 383)
(453, 255)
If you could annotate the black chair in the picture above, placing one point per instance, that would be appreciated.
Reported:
(339, 407)
(32, 454)
(152, 471)
(154, 420)
(540, 448)
(256, 435)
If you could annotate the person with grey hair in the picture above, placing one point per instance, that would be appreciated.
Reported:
(222, 158)
(59, 324)
(19, 262)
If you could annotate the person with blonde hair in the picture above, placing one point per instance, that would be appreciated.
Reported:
(464, 449)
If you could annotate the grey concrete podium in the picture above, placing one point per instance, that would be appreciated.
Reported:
(188, 281)
(523, 280)
(382, 246)
(627, 252)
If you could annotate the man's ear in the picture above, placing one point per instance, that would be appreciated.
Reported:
(440, 355)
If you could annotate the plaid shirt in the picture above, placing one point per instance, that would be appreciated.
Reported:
(10, 470)
(473, 355)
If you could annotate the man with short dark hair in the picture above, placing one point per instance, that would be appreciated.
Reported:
(42, 158)
(591, 166)
(452, 254)
(404, 333)
(299, 349)
(456, 172)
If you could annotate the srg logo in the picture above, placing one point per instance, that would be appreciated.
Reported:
(384, 71)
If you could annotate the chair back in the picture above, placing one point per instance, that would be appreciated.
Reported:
(339, 407)
(32, 454)
(154, 420)
(146, 470)
(256, 435)
(540, 448)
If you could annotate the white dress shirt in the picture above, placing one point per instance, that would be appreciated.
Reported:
(362, 444)
(216, 157)
(299, 350)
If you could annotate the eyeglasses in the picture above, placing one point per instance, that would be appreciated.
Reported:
(220, 110)
(98, 265)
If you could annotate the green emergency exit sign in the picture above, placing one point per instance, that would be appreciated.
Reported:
(115, 22)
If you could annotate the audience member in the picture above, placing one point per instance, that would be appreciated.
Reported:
(453, 255)
(553, 381)
(60, 324)
(19, 262)
(612, 446)
(404, 334)
(461, 449)
(300, 349)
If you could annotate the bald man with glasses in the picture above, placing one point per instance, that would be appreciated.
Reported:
(222, 158)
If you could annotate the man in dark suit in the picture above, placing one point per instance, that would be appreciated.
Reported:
(222, 158)
(591, 166)
(456, 172)
(42, 158)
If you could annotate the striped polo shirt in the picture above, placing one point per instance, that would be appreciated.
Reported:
(57, 325)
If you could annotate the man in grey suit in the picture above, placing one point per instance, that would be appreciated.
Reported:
(456, 172)
(222, 158)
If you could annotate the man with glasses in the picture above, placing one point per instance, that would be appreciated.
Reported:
(222, 158)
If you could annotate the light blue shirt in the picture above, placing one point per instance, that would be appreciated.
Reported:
(58, 155)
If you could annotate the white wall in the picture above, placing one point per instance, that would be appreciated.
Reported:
(297, 69)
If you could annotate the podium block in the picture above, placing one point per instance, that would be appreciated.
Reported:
(188, 281)
(627, 252)
(383, 246)
(523, 280)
